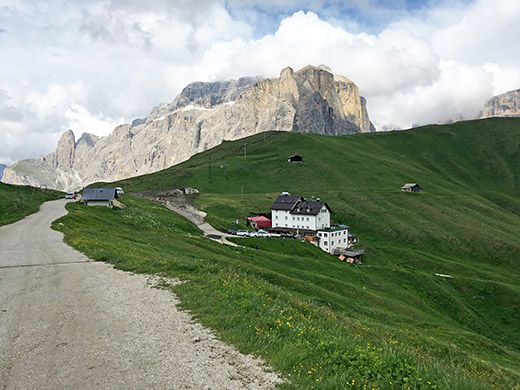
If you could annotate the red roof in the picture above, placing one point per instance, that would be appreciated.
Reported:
(260, 221)
(260, 218)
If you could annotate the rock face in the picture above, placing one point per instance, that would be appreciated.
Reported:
(2, 167)
(507, 104)
(312, 99)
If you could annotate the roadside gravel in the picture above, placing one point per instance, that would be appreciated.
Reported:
(68, 323)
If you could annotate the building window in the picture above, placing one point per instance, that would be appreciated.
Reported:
(324, 242)
(276, 216)
(293, 218)
(307, 218)
(286, 217)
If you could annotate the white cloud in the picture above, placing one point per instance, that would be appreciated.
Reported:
(486, 32)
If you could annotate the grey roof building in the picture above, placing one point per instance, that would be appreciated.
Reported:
(411, 187)
(99, 196)
(295, 158)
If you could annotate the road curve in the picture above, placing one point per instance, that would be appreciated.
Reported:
(68, 323)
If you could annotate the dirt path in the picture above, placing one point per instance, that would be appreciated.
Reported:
(178, 204)
(67, 323)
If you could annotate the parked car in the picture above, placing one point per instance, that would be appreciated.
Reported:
(262, 233)
(69, 195)
(243, 233)
(286, 235)
(253, 234)
(231, 231)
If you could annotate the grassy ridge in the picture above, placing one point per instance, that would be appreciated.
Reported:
(16, 202)
(311, 315)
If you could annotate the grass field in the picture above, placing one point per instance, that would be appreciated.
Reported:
(17, 202)
(389, 323)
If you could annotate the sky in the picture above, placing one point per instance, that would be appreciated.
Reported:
(91, 65)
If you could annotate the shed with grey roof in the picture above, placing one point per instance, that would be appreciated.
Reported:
(295, 158)
(99, 196)
(411, 187)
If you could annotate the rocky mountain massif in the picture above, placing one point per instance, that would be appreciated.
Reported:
(504, 105)
(312, 99)
(507, 104)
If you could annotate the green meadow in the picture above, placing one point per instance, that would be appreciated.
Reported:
(389, 323)
(16, 202)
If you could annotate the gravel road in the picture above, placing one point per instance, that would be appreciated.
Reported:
(68, 323)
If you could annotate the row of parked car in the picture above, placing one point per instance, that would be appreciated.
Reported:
(247, 233)
(259, 233)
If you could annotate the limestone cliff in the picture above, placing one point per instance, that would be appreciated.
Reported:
(507, 104)
(312, 99)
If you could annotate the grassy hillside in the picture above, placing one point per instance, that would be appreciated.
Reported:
(17, 202)
(389, 323)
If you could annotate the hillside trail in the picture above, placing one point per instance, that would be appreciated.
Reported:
(177, 203)
(69, 323)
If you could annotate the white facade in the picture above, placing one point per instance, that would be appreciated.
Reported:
(286, 219)
(329, 239)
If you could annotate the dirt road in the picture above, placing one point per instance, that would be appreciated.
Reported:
(67, 323)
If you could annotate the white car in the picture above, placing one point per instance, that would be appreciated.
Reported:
(262, 233)
(242, 233)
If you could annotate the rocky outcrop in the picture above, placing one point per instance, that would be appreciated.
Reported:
(312, 99)
(507, 104)
(62, 170)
